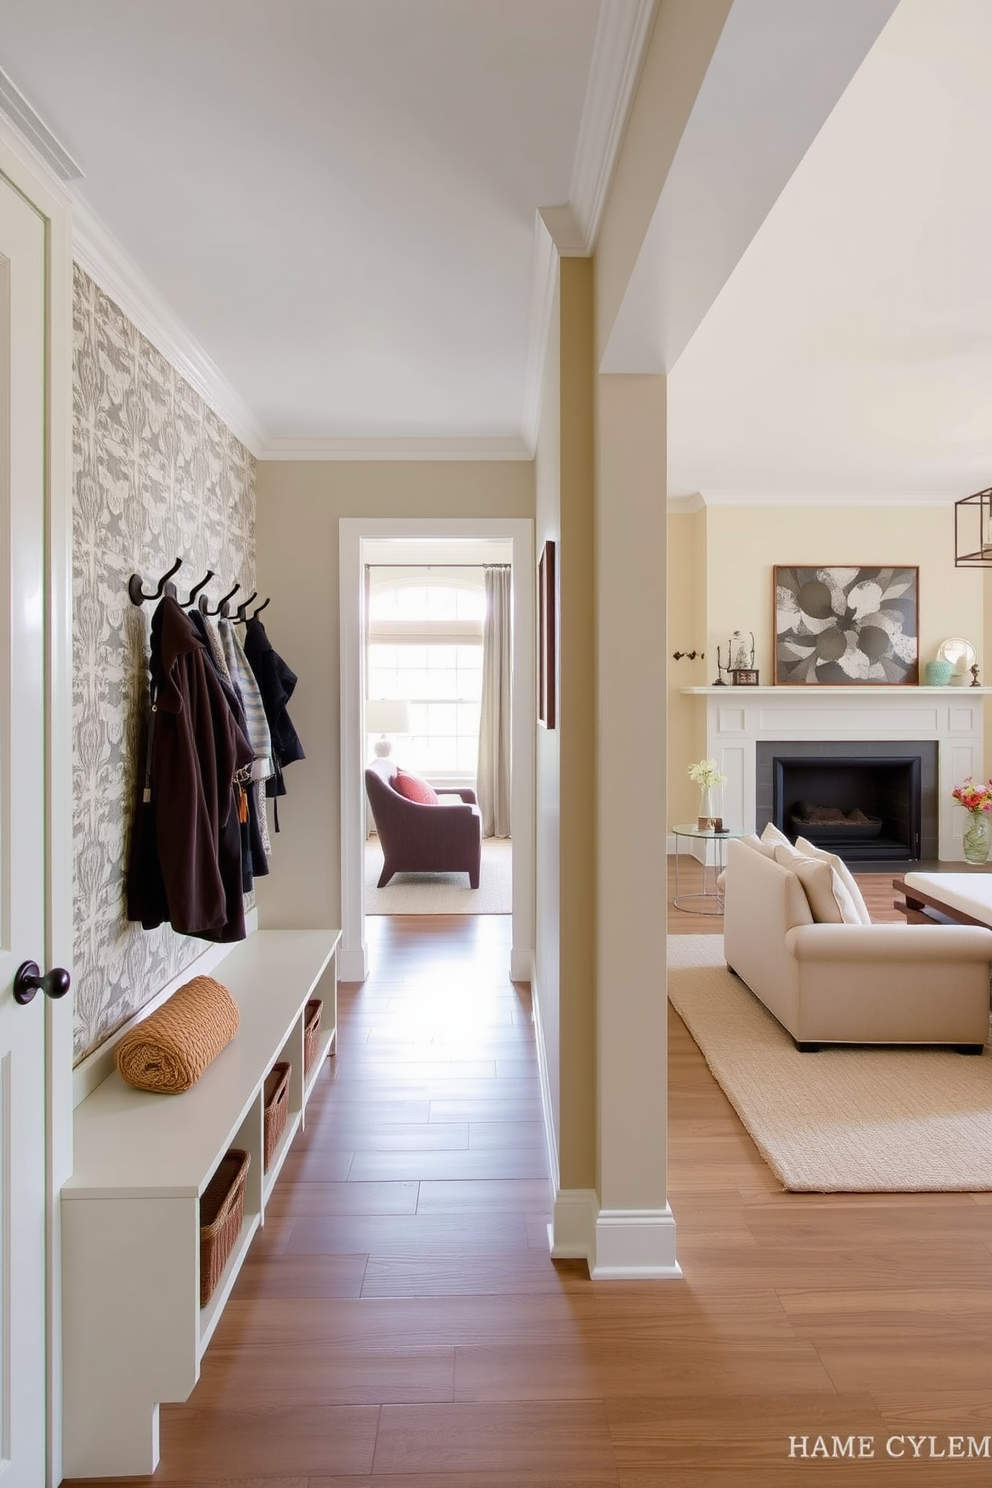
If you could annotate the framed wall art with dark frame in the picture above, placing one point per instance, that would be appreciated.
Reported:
(847, 625)
(547, 644)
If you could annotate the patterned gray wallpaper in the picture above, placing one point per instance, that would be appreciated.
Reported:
(157, 475)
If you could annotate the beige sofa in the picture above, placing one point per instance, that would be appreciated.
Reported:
(854, 982)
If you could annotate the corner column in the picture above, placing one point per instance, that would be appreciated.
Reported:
(635, 1230)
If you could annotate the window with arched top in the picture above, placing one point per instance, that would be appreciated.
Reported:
(425, 647)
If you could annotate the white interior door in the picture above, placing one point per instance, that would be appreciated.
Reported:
(22, 839)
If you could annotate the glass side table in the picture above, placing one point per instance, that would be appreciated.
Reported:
(709, 901)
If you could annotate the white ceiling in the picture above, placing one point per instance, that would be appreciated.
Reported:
(337, 198)
(332, 205)
(849, 355)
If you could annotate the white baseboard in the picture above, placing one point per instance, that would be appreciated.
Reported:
(522, 963)
(353, 965)
(550, 1132)
(634, 1243)
(572, 1231)
(616, 1244)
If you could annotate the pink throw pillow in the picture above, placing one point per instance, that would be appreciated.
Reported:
(415, 789)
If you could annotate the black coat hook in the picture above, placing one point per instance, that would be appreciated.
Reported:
(137, 595)
(242, 614)
(197, 587)
(259, 608)
(221, 609)
(690, 655)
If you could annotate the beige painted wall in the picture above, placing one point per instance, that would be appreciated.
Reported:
(298, 507)
(547, 526)
(734, 551)
(566, 863)
(686, 632)
(577, 725)
(744, 544)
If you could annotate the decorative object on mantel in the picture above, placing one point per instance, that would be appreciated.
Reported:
(707, 776)
(977, 801)
(973, 530)
(741, 659)
(938, 673)
(975, 680)
(846, 625)
(740, 655)
(962, 656)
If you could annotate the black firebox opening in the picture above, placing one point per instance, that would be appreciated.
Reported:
(873, 802)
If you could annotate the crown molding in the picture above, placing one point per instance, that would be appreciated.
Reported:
(686, 505)
(811, 498)
(509, 447)
(32, 128)
(622, 32)
(100, 255)
(544, 282)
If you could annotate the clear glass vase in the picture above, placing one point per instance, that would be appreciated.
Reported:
(977, 837)
(707, 809)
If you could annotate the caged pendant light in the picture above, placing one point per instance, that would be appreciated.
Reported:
(973, 530)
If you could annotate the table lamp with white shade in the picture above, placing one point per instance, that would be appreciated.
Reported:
(386, 716)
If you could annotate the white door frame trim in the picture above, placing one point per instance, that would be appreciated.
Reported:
(353, 531)
(28, 173)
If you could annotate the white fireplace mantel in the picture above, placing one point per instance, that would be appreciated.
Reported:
(738, 718)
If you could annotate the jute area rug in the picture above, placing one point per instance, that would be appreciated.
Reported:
(845, 1120)
(442, 893)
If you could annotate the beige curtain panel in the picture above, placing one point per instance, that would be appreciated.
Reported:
(493, 784)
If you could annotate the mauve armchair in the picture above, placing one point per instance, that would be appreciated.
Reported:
(423, 839)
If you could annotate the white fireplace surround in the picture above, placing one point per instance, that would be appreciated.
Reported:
(737, 718)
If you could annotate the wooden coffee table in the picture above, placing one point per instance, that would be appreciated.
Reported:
(945, 898)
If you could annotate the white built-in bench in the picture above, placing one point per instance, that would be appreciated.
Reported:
(133, 1328)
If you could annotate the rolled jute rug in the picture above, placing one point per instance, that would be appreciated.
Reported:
(850, 1119)
(169, 1050)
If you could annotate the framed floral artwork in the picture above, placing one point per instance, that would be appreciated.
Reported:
(842, 626)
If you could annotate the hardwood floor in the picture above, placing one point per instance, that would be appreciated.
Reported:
(399, 1321)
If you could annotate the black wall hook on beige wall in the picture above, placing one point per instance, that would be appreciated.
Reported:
(197, 587)
(222, 605)
(137, 595)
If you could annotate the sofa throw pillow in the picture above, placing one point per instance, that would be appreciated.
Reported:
(766, 849)
(755, 843)
(773, 837)
(848, 895)
(817, 881)
(415, 788)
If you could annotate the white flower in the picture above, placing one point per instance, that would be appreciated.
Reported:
(705, 772)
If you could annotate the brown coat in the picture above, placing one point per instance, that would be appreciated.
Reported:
(185, 859)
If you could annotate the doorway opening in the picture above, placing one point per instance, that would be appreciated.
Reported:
(438, 712)
(361, 546)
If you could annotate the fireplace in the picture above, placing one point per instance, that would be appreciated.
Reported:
(889, 722)
(871, 801)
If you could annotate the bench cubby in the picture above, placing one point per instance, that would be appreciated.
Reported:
(133, 1330)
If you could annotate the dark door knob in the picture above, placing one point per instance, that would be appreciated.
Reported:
(28, 980)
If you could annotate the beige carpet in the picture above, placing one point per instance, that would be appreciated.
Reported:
(845, 1120)
(442, 893)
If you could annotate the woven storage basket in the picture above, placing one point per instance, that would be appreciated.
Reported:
(276, 1103)
(311, 1032)
(222, 1212)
